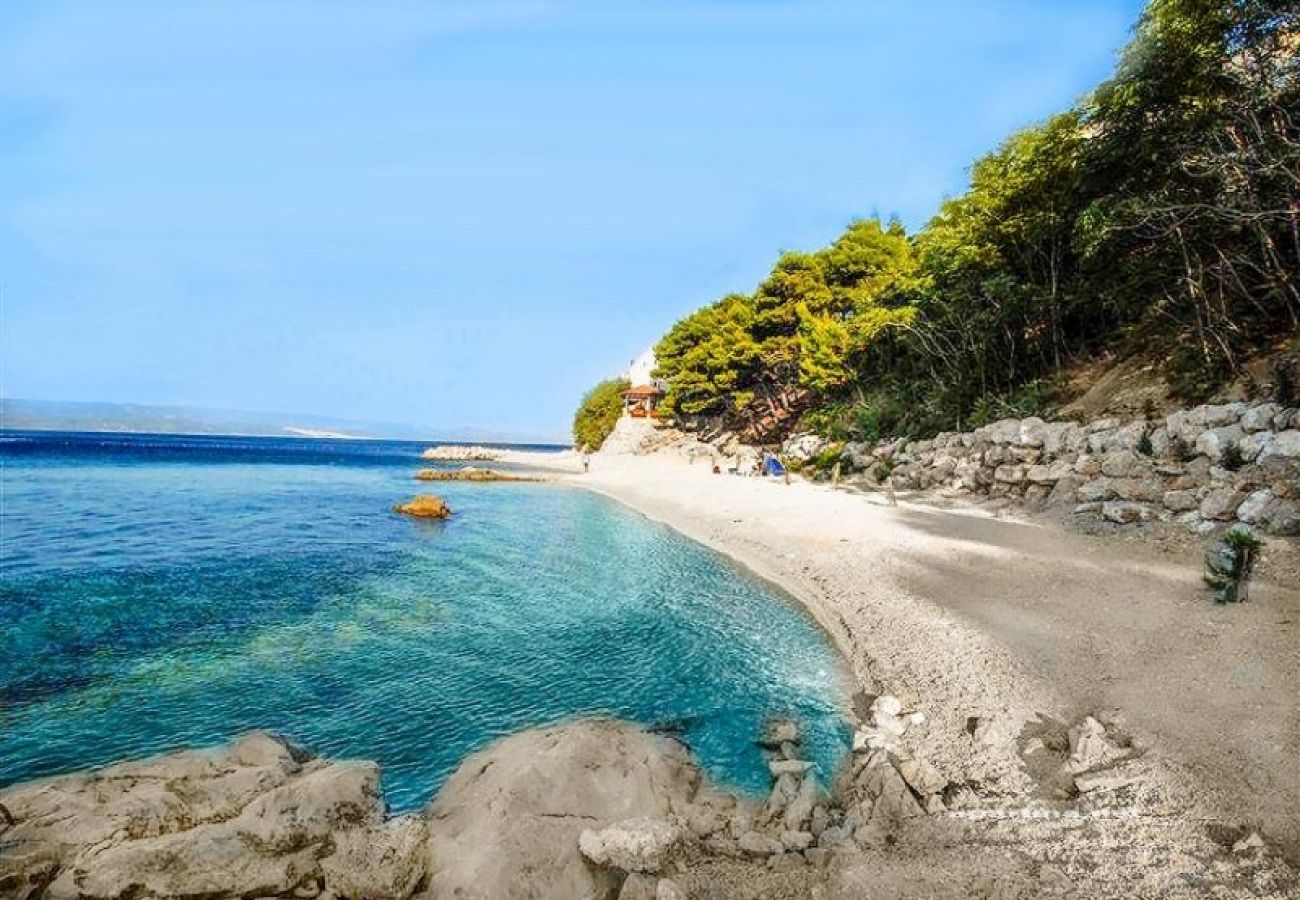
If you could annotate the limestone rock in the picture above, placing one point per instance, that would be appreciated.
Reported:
(378, 862)
(1260, 418)
(1090, 747)
(1125, 513)
(922, 777)
(1180, 501)
(1281, 516)
(513, 812)
(633, 845)
(1285, 444)
(756, 844)
(1251, 510)
(638, 886)
(667, 889)
(1221, 504)
(1214, 442)
(424, 506)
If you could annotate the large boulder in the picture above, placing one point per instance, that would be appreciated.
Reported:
(254, 817)
(507, 823)
(424, 506)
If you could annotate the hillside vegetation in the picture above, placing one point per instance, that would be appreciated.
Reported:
(598, 413)
(1160, 216)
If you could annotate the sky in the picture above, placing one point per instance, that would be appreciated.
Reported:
(465, 214)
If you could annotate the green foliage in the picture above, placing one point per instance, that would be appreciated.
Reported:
(598, 413)
(1230, 564)
(1160, 215)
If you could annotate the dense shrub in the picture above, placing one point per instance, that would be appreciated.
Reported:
(598, 413)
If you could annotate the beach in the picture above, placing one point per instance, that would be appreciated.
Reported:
(966, 614)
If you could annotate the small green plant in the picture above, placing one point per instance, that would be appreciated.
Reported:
(1230, 564)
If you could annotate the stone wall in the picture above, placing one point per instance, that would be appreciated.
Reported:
(1203, 467)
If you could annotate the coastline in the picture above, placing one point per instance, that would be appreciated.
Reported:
(971, 615)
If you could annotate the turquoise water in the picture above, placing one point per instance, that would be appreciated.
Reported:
(158, 592)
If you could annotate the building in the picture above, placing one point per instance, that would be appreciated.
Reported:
(642, 399)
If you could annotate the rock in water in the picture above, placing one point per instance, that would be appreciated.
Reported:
(424, 506)
(506, 824)
(255, 817)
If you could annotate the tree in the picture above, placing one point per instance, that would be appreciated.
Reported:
(598, 413)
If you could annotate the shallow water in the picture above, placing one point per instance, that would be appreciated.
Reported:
(159, 591)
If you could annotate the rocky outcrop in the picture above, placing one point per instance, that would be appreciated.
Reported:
(509, 823)
(424, 506)
(261, 818)
(461, 453)
(257, 817)
(468, 473)
(1202, 467)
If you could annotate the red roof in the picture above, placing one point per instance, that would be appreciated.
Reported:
(643, 390)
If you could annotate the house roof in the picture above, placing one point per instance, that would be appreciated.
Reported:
(643, 390)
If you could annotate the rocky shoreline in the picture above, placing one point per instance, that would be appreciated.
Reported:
(603, 809)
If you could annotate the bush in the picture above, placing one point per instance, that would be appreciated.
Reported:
(598, 413)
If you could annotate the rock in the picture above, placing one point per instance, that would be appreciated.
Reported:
(1090, 747)
(1214, 442)
(1128, 438)
(759, 845)
(779, 732)
(667, 889)
(253, 817)
(1252, 446)
(887, 705)
(783, 793)
(784, 862)
(1249, 843)
(1125, 513)
(507, 823)
(1010, 473)
(1251, 510)
(468, 473)
(1180, 501)
(424, 506)
(799, 811)
(779, 767)
(1281, 516)
(922, 777)
(833, 836)
(1122, 464)
(796, 840)
(1032, 432)
(819, 822)
(1221, 504)
(934, 805)
(638, 886)
(817, 857)
(803, 447)
(1285, 444)
(1101, 781)
(458, 453)
(1216, 416)
(1260, 418)
(891, 799)
(634, 845)
(380, 861)
(1088, 466)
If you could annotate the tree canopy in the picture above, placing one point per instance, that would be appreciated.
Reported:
(598, 413)
(1163, 211)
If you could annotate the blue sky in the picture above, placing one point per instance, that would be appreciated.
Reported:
(464, 214)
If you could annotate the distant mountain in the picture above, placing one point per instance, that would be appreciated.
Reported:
(55, 415)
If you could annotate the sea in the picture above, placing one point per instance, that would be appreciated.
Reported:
(163, 591)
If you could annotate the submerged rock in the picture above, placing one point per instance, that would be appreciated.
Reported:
(468, 473)
(424, 506)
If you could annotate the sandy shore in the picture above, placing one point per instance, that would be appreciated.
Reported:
(965, 614)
